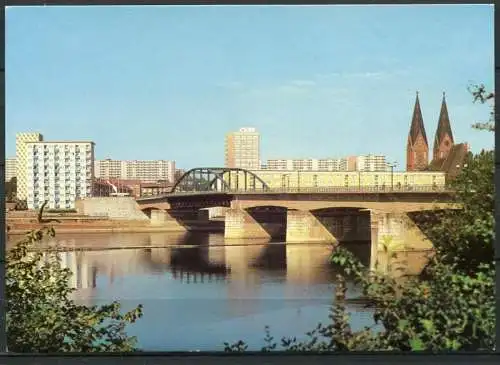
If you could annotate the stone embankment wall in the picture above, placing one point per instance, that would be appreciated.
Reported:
(116, 208)
(80, 226)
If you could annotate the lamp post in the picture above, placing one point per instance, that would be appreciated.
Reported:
(392, 166)
(285, 181)
(298, 180)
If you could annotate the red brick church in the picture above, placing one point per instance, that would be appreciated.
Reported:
(446, 155)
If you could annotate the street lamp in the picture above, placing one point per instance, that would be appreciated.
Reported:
(298, 180)
(392, 166)
(285, 177)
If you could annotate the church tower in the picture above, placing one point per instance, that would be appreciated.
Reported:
(417, 148)
(443, 141)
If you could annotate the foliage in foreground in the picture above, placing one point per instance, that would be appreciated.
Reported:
(450, 307)
(480, 94)
(450, 311)
(42, 317)
(465, 238)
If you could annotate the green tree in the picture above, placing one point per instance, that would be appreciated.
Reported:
(480, 94)
(465, 237)
(42, 317)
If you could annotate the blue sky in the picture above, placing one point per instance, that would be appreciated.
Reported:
(316, 81)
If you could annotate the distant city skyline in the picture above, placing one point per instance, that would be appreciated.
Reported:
(307, 78)
(149, 170)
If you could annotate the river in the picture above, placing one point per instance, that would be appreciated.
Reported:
(203, 291)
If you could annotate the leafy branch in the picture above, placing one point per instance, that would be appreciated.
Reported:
(42, 317)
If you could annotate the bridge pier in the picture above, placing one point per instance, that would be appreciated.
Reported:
(303, 227)
(393, 232)
(240, 224)
(173, 218)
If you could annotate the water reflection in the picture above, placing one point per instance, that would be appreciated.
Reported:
(198, 292)
(83, 275)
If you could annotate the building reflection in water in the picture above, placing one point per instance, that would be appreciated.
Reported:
(208, 290)
(103, 241)
(310, 266)
(83, 276)
(250, 269)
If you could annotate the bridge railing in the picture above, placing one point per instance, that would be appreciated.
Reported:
(326, 190)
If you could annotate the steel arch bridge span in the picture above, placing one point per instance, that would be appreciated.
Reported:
(218, 179)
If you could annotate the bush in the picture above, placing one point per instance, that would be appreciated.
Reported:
(41, 316)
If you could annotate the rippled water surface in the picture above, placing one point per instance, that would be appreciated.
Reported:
(203, 291)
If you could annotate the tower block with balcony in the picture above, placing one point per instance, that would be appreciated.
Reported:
(417, 148)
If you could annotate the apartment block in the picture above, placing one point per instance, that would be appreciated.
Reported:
(59, 172)
(242, 149)
(350, 163)
(109, 169)
(372, 163)
(10, 168)
(143, 170)
(22, 160)
(330, 164)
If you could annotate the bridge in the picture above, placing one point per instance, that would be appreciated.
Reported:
(253, 209)
(207, 187)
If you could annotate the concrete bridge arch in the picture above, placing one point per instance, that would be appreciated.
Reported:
(314, 205)
(148, 211)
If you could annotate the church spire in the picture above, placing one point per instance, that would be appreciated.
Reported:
(444, 135)
(417, 124)
(417, 147)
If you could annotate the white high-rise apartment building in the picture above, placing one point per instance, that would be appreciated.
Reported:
(242, 149)
(109, 169)
(10, 168)
(352, 163)
(59, 172)
(371, 163)
(145, 170)
(312, 164)
(21, 161)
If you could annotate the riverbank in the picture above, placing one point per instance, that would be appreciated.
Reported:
(19, 223)
(91, 230)
(67, 245)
